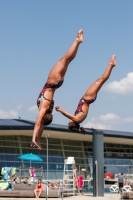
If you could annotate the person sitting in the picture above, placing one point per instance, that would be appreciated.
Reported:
(15, 179)
(126, 181)
(25, 181)
(53, 185)
(38, 188)
(65, 180)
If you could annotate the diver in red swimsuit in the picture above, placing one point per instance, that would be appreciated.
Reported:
(55, 79)
(88, 98)
(38, 188)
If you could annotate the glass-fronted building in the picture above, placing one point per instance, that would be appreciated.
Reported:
(15, 140)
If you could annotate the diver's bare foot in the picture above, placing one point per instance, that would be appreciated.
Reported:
(35, 144)
(113, 61)
(39, 144)
(79, 36)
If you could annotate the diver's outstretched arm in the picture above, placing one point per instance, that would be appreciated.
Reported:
(38, 127)
(66, 114)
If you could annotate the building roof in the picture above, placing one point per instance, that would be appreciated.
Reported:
(20, 124)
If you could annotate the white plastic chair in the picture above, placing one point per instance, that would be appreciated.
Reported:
(127, 189)
(114, 189)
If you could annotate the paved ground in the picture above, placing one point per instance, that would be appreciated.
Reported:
(81, 197)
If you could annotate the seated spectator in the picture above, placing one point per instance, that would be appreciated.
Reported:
(38, 188)
(131, 185)
(65, 180)
(116, 183)
(126, 181)
(25, 181)
(53, 185)
(15, 179)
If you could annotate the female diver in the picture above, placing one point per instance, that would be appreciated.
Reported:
(88, 98)
(55, 79)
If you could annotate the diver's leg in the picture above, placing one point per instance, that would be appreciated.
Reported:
(60, 68)
(95, 87)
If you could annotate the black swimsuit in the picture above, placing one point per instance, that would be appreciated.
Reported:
(81, 103)
(46, 86)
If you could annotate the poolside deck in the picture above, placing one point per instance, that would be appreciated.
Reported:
(25, 190)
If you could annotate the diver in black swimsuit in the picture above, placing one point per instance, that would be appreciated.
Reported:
(88, 98)
(55, 79)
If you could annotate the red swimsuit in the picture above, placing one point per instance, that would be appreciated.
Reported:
(55, 86)
(81, 103)
(39, 186)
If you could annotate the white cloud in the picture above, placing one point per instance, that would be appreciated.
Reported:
(8, 114)
(128, 120)
(33, 108)
(103, 121)
(97, 125)
(109, 117)
(124, 86)
(19, 107)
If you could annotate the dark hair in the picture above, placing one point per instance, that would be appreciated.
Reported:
(50, 110)
(47, 119)
(76, 127)
(39, 180)
(82, 130)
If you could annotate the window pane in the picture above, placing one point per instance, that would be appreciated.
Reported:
(74, 154)
(2, 149)
(108, 161)
(117, 161)
(3, 164)
(2, 156)
(1, 143)
(66, 147)
(13, 164)
(51, 175)
(127, 162)
(25, 144)
(11, 143)
(23, 138)
(12, 157)
(59, 175)
(50, 146)
(54, 152)
(9, 138)
(25, 151)
(67, 154)
(53, 141)
(12, 150)
(65, 142)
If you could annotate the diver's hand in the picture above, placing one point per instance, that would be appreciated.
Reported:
(58, 108)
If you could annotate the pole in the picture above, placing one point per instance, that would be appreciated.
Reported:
(47, 168)
(96, 178)
(98, 166)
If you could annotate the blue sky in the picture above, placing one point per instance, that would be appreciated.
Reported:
(34, 35)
